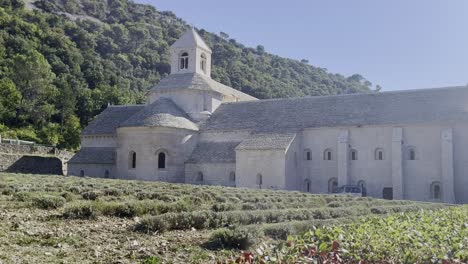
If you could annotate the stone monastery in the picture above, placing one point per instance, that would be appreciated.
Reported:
(399, 145)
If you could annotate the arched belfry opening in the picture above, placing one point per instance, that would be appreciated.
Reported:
(184, 60)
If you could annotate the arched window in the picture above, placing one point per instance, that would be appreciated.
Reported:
(411, 153)
(259, 180)
(81, 173)
(161, 160)
(307, 185)
(232, 176)
(132, 160)
(436, 191)
(203, 62)
(200, 176)
(307, 154)
(184, 61)
(332, 185)
(106, 174)
(327, 154)
(353, 154)
(362, 184)
(379, 154)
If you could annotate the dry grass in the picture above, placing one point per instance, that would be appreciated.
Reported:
(56, 219)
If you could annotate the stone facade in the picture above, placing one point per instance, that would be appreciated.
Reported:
(398, 145)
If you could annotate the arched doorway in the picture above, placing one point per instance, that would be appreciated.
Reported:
(332, 185)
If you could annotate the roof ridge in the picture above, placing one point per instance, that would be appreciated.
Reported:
(127, 105)
(316, 97)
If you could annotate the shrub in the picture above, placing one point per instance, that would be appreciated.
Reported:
(80, 211)
(239, 238)
(91, 195)
(68, 196)
(112, 192)
(22, 196)
(219, 207)
(74, 189)
(335, 204)
(7, 191)
(120, 209)
(279, 231)
(149, 224)
(48, 201)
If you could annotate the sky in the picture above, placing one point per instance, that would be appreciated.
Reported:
(398, 44)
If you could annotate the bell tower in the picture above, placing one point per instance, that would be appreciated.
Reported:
(190, 54)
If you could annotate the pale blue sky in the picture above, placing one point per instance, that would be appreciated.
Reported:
(399, 44)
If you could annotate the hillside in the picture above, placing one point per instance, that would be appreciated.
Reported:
(63, 61)
(57, 219)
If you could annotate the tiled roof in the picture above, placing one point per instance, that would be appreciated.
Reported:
(384, 108)
(161, 113)
(190, 39)
(94, 155)
(106, 122)
(267, 141)
(214, 152)
(198, 81)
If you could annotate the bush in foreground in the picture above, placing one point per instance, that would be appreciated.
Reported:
(48, 201)
(80, 211)
(240, 238)
(424, 236)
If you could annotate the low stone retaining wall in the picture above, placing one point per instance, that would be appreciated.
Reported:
(33, 159)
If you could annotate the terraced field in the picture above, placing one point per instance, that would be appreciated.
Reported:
(48, 219)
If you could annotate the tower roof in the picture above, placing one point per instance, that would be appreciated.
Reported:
(191, 39)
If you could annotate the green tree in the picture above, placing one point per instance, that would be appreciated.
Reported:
(9, 100)
(33, 77)
(71, 133)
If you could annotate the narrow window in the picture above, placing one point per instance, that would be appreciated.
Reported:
(436, 191)
(411, 153)
(259, 180)
(353, 154)
(379, 155)
(307, 154)
(307, 185)
(203, 62)
(106, 174)
(232, 176)
(161, 160)
(332, 185)
(200, 176)
(132, 160)
(81, 173)
(327, 154)
(184, 61)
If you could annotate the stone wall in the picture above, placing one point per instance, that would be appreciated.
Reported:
(33, 159)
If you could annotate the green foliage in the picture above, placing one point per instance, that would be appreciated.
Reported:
(423, 236)
(152, 260)
(48, 201)
(239, 238)
(91, 195)
(80, 210)
(59, 74)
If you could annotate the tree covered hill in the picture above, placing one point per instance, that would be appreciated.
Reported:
(63, 61)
